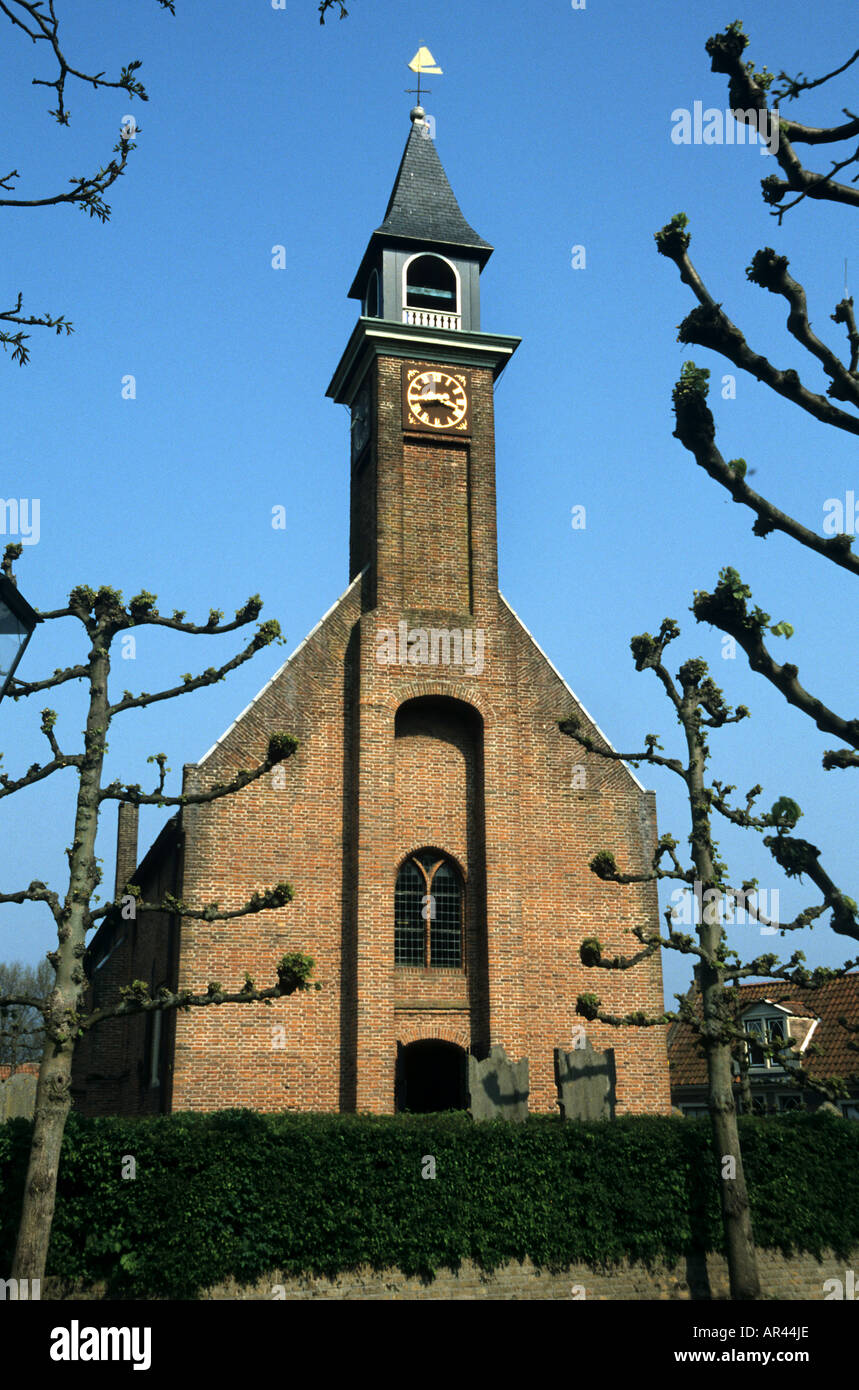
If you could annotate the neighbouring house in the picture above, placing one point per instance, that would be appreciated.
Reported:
(776, 1011)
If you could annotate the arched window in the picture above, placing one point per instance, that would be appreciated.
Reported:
(431, 284)
(428, 894)
(371, 302)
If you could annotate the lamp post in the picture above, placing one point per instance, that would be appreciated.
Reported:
(17, 621)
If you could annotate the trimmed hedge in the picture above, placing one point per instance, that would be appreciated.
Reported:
(240, 1194)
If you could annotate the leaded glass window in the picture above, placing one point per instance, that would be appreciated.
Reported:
(428, 894)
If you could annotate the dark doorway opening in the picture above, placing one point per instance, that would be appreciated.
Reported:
(431, 1076)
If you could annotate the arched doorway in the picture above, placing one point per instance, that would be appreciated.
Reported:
(431, 1075)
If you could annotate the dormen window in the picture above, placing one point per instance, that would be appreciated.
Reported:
(770, 1028)
(428, 912)
(431, 284)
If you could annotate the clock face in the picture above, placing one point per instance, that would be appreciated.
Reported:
(436, 400)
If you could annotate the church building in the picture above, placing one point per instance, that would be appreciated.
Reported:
(435, 824)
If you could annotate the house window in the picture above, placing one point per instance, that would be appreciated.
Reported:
(790, 1103)
(431, 284)
(428, 895)
(770, 1028)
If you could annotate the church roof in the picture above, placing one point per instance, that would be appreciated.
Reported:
(422, 205)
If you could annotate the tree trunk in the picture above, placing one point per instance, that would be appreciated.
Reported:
(53, 1102)
(53, 1095)
(736, 1215)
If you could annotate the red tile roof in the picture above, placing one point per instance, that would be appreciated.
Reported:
(833, 999)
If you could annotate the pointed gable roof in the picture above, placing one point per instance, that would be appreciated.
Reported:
(422, 207)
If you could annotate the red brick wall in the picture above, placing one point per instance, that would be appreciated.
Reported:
(436, 539)
(486, 780)
(232, 1055)
(112, 1064)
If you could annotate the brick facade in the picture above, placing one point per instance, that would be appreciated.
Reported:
(396, 756)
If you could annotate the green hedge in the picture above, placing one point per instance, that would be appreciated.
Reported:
(240, 1194)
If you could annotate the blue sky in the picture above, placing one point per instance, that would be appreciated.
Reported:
(554, 126)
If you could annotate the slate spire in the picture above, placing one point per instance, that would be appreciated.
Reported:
(422, 209)
(422, 205)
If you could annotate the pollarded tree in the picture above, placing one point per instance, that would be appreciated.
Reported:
(38, 19)
(699, 705)
(756, 102)
(104, 615)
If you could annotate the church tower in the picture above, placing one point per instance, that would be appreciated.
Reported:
(417, 375)
(435, 824)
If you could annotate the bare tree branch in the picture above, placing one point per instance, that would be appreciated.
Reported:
(709, 326)
(38, 773)
(696, 431)
(726, 609)
(293, 972)
(770, 271)
(45, 27)
(17, 341)
(21, 689)
(37, 892)
(747, 92)
(791, 90)
(281, 747)
(263, 901)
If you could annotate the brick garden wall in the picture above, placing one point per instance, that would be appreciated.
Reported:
(794, 1278)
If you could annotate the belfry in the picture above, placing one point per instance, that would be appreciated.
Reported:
(435, 824)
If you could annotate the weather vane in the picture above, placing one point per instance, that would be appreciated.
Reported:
(422, 62)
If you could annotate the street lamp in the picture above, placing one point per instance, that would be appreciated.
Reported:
(17, 621)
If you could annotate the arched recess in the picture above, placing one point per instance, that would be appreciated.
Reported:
(431, 1076)
(372, 305)
(439, 806)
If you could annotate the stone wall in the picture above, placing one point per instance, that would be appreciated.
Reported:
(798, 1277)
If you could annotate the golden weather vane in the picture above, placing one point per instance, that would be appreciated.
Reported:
(422, 62)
